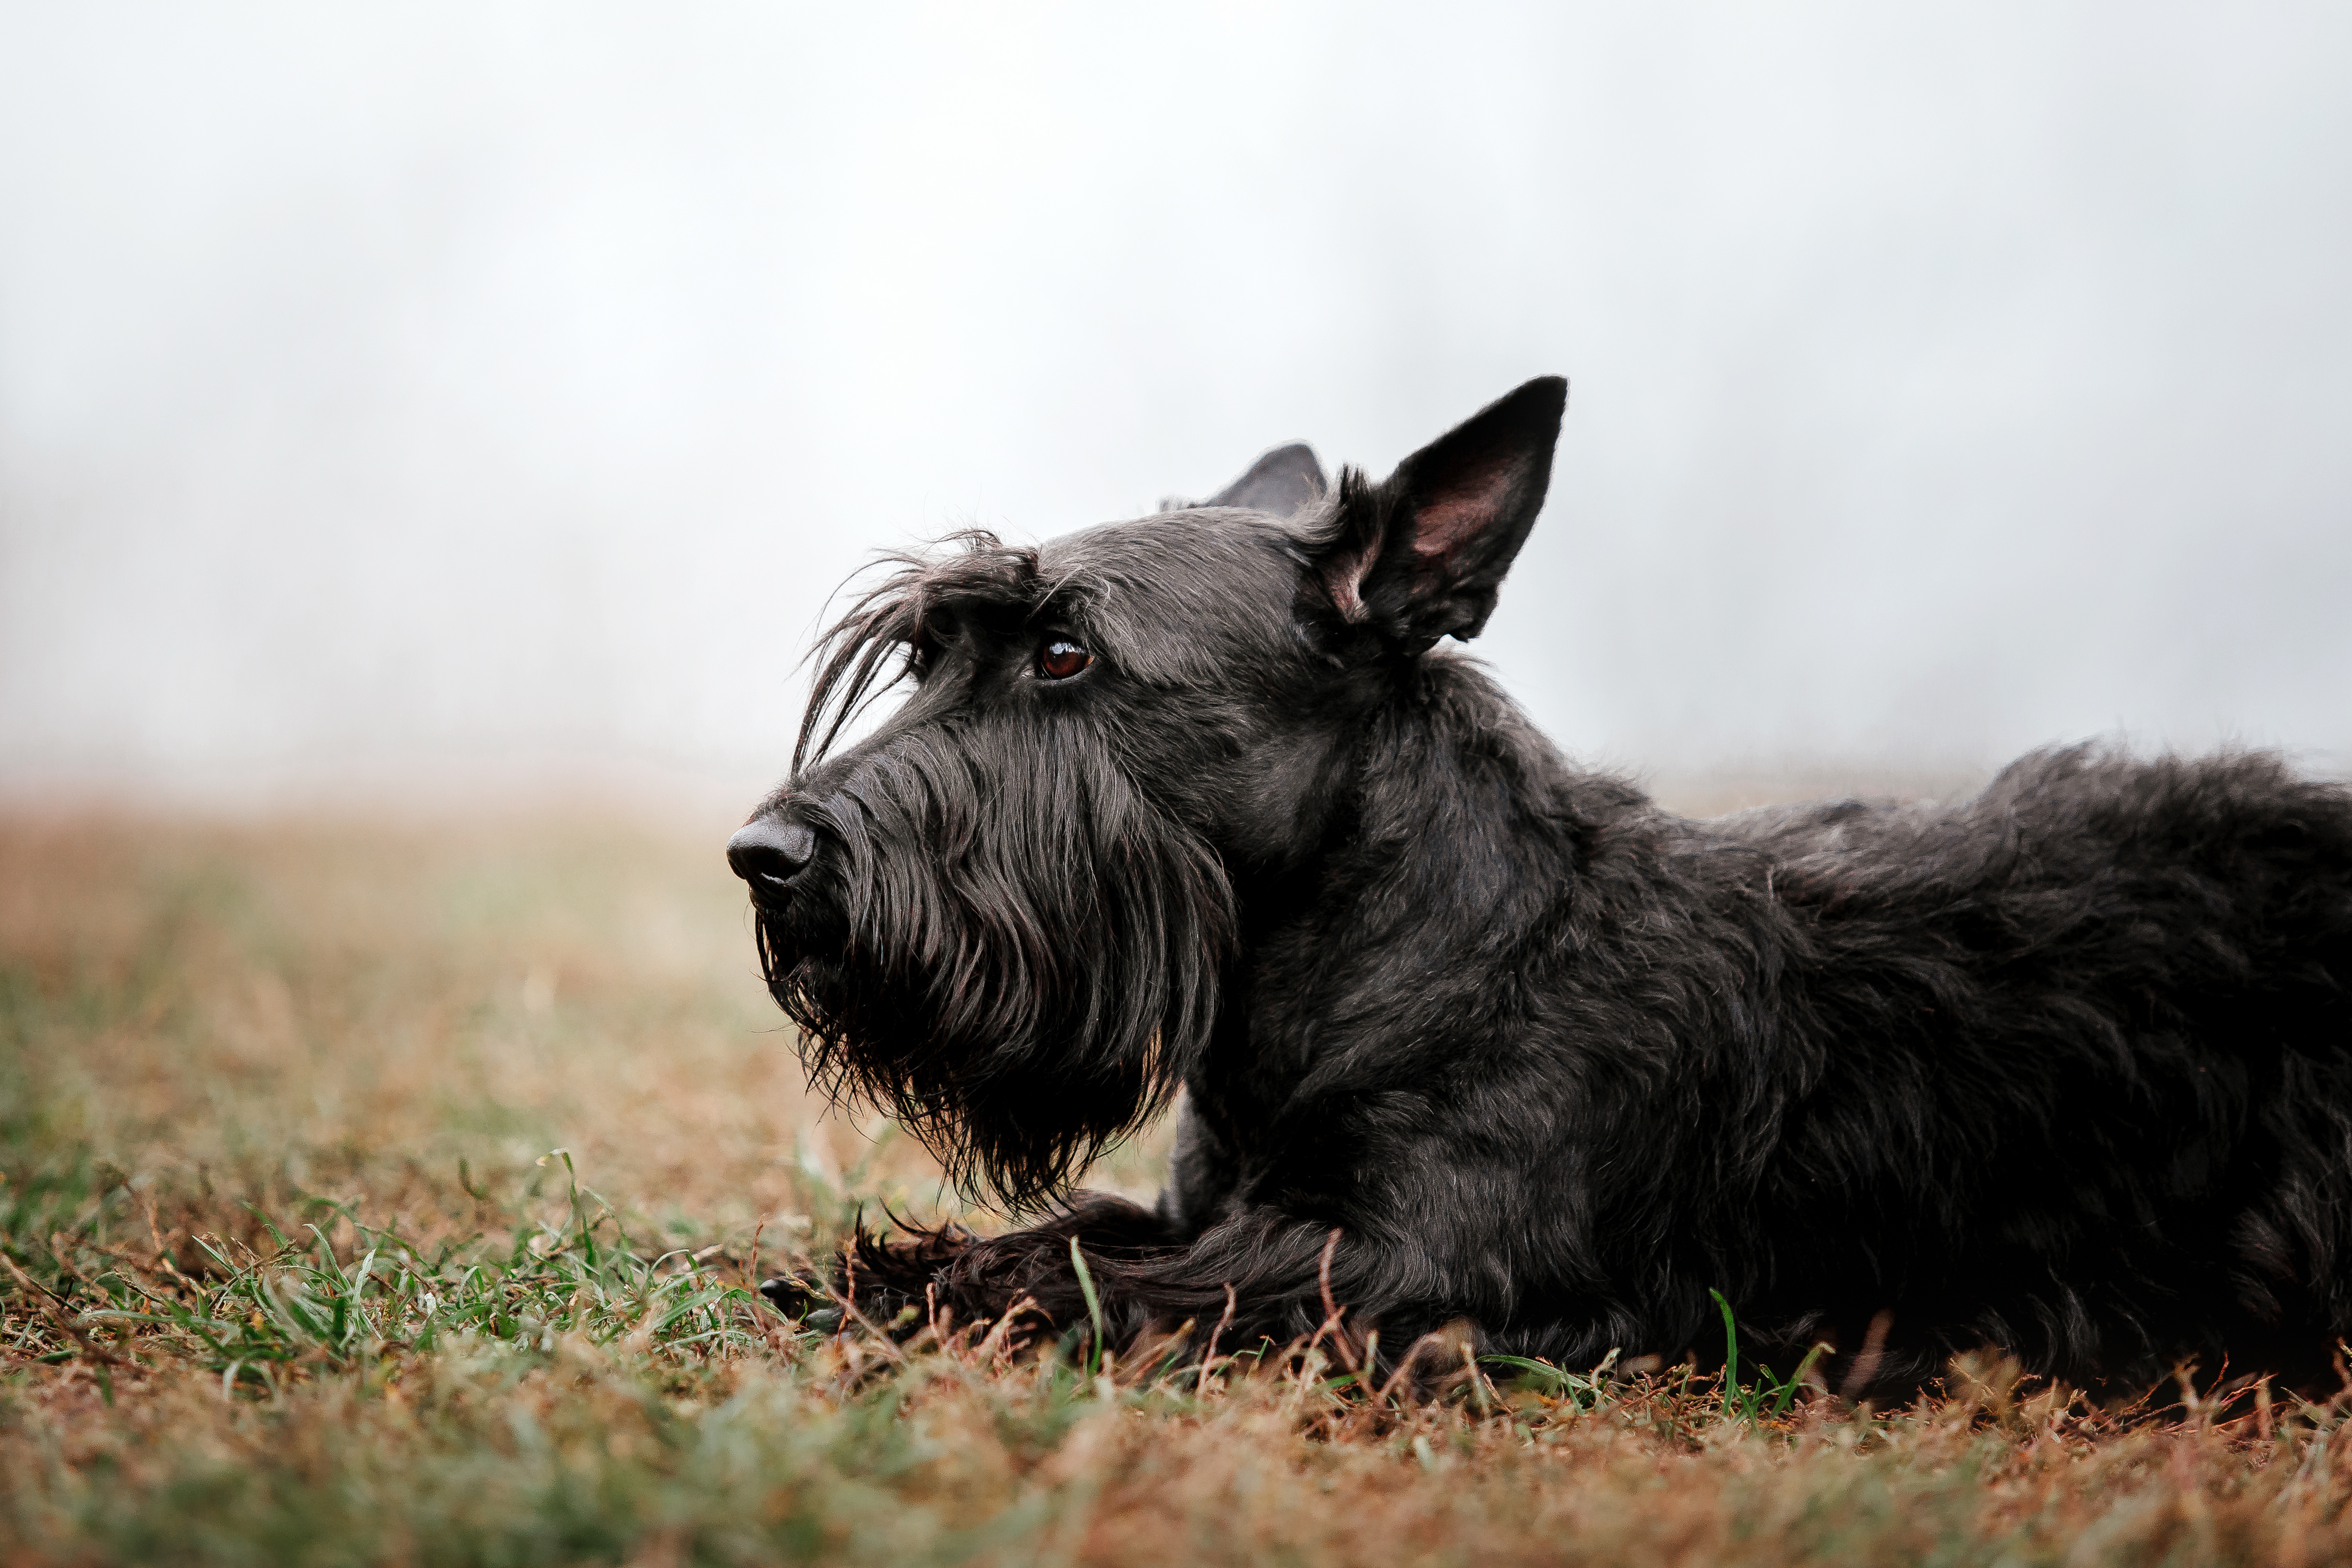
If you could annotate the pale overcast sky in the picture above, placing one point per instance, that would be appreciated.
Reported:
(476, 391)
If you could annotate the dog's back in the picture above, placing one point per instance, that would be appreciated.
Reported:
(2076, 1054)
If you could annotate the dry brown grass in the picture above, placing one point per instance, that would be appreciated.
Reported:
(206, 1029)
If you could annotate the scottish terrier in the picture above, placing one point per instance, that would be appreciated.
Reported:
(1471, 1041)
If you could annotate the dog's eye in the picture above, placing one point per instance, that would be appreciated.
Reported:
(1059, 660)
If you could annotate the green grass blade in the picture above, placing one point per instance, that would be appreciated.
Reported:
(1094, 1306)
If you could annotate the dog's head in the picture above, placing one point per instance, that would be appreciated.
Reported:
(1004, 914)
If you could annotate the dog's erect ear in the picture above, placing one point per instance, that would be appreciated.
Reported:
(1422, 554)
(1281, 482)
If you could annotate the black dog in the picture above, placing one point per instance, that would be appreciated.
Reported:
(1196, 800)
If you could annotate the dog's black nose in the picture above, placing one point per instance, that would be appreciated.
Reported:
(767, 852)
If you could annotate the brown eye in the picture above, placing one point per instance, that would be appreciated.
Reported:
(1060, 660)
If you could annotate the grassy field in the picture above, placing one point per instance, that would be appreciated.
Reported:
(383, 1194)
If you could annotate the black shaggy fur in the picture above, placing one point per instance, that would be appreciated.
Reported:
(2065, 1069)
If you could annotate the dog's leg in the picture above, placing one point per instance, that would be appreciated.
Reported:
(874, 1280)
(974, 1279)
(1262, 1276)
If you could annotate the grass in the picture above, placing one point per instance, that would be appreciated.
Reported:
(382, 1193)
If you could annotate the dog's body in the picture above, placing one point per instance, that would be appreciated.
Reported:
(2066, 1068)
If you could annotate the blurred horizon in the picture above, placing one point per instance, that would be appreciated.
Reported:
(444, 403)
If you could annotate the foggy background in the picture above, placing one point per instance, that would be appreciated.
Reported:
(468, 399)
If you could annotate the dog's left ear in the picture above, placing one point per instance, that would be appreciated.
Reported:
(1422, 554)
(1281, 482)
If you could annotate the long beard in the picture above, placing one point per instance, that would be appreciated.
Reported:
(1019, 973)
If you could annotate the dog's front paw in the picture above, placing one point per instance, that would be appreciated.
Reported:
(804, 1299)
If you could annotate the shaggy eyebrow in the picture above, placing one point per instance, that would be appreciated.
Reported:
(971, 571)
(1064, 604)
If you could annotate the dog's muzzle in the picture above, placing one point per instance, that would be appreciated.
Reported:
(769, 853)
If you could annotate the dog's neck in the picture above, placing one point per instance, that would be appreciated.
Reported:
(1371, 922)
